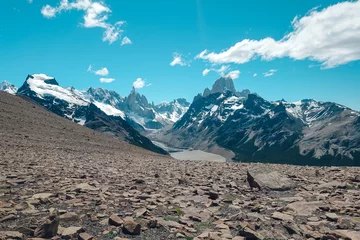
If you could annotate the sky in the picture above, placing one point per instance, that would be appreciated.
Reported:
(280, 49)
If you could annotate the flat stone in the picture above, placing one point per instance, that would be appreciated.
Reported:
(332, 217)
(282, 217)
(115, 220)
(69, 217)
(71, 232)
(85, 236)
(140, 212)
(42, 196)
(11, 235)
(304, 208)
(85, 187)
(8, 218)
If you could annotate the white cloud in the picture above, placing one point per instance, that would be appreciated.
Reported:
(178, 60)
(330, 36)
(30, 1)
(125, 41)
(270, 73)
(139, 83)
(96, 15)
(107, 80)
(222, 72)
(206, 71)
(48, 12)
(102, 72)
(255, 74)
(89, 68)
(233, 74)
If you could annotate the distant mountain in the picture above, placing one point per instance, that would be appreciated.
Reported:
(172, 111)
(8, 87)
(304, 132)
(141, 114)
(85, 109)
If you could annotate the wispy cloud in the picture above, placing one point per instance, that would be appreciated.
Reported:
(30, 1)
(96, 14)
(179, 60)
(107, 80)
(330, 37)
(125, 41)
(270, 73)
(206, 71)
(220, 70)
(223, 71)
(255, 74)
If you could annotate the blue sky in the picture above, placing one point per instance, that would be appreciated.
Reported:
(318, 59)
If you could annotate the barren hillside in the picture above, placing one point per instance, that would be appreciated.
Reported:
(60, 180)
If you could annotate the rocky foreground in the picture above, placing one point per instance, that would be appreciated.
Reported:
(59, 180)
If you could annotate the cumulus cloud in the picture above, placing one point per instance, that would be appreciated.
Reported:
(139, 83)
(96, 14)
(233, 74)
(102, 72)
(270, 73)
(107, 80)
(178, 60)
(330, 36)
(125, 41)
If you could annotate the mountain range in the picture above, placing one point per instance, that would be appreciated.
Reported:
(239, 125)
(304, 132)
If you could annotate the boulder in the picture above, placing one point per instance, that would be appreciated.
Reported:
(130, 227)
(115, 220)
(272, 180)
(71, 232)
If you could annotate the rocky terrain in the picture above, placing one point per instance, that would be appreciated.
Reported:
(60, 180)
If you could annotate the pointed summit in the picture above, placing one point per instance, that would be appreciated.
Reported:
(8, 87)
(223, 84)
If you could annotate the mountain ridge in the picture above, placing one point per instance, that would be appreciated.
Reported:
(71, 104)
(306, 132)
(239, 125)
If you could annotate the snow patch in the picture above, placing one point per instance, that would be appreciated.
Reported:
(109, 110)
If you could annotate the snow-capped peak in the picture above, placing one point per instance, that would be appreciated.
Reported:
(44, 86)
(41, 76)
(8, 87)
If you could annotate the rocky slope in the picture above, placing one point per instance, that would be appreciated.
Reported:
(61, 180)
(73, 105)
(305, 132)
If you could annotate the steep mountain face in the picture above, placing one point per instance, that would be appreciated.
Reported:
(83, 109)
(138, 112)
(117, 127)
(8, 87)
(172, 111)
(104, 96)
(304, 132)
